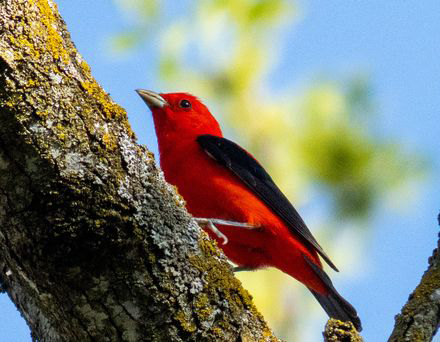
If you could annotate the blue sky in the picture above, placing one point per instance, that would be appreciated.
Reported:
(397, 44)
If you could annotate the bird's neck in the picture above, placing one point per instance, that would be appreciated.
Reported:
(178, 143)
(174, 155)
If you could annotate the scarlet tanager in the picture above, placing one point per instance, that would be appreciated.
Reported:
(236, 200)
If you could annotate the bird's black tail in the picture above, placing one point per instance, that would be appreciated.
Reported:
(337, 307)
(333, 303)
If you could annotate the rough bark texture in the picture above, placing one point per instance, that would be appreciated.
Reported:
(94, 246)
(420, 317)
(336, 331)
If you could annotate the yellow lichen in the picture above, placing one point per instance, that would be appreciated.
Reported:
(12, 101)
(267, 333)
(186, 325)
(42, 114)
(217, 332)
(86, 68)
(208, 247)
(111, 109)
(31, 83)
(220, 277)
(25, 45)
(54, 41)
(150, 155)
(61, 134)
(203, 308)
(109, 141)
(423, 292)
(336, 330)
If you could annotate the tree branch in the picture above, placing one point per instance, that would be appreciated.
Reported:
(94, 244)
(336, 330)
(420, 317)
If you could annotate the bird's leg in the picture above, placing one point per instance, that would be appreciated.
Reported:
(224, 222)
(210, 224)
(243, 268)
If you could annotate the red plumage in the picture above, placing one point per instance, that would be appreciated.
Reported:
(218, 180)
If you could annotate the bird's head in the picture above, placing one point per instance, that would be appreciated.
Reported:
(179, 115)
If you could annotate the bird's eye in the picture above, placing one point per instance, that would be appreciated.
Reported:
(185, 104)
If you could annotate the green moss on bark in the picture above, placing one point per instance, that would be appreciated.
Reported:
(95, 244)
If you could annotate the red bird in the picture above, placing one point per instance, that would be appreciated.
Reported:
(236, 199)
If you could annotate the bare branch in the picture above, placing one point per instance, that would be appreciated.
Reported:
(336, 331)
(420, 317)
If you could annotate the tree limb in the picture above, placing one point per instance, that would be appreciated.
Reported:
(336, 331)
(420, 317)
(94, 244)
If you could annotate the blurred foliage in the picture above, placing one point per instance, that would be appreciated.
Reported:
(342, 152)
(323, 142)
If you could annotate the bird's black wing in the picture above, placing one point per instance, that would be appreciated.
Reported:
(243, 165)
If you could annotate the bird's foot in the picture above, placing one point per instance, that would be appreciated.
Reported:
(210, 224)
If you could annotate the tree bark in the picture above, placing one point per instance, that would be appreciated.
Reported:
(420, 316)
(336, 330)
(95, 246)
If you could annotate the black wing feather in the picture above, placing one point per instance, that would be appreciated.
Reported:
(243, 165)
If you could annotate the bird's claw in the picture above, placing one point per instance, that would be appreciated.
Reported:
(211, 225)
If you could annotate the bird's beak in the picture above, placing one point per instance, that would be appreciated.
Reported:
(152, 99)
